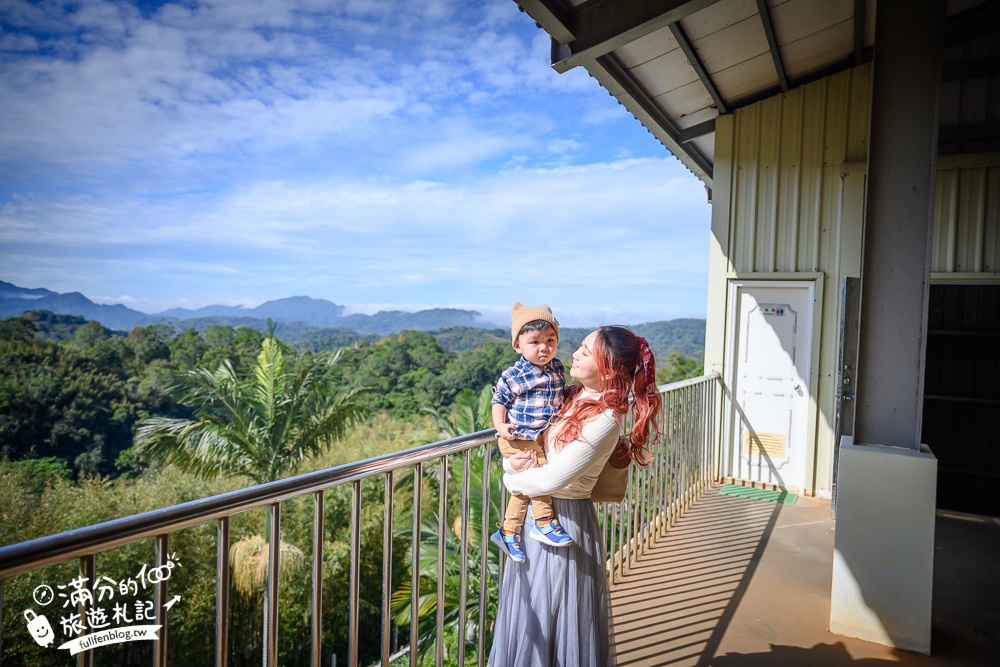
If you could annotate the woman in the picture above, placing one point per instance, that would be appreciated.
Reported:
(554, 608)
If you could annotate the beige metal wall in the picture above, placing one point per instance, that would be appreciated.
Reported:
(967, 216)
(788, 200)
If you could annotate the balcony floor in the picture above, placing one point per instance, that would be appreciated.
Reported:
(739, 583)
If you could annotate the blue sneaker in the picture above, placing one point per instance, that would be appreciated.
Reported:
(509, 544)
(552, 534)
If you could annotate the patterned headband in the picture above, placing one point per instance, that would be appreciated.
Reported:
(646, 360)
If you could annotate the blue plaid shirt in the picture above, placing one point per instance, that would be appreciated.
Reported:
(532, 395)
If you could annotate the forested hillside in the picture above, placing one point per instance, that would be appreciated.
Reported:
(72, 391)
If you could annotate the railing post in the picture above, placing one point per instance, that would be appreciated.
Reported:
(316, 648)
(484, 531)
(387, 567)
(442, 535)
(160, 597)
(464, 572)
(355, 576)
(271, 592)
(418, 490)
(222, 594)
(88, 571)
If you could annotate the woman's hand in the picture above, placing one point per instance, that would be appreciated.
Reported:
(524, 460)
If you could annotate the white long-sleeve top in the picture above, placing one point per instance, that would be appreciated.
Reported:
(572, 471)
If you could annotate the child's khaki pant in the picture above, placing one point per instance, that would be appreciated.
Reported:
(517, 506)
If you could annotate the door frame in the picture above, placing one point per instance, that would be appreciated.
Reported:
(814, 281)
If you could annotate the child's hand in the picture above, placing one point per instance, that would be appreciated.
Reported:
(506, 431)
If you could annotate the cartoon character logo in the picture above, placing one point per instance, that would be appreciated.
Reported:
(39, 628)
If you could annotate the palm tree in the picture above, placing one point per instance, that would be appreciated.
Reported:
(260, 427)
(470, 412)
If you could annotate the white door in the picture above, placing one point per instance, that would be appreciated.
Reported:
(770, 342)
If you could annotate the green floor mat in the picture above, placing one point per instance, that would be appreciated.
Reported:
(759, 494)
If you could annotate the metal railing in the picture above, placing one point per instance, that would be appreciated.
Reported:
(683, 463)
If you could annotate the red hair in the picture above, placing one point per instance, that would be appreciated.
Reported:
(626, 368)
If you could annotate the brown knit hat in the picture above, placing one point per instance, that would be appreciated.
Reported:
(521, 315)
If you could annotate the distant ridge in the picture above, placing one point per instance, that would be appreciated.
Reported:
(301, 310)
(318, 324)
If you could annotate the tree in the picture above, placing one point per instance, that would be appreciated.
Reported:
(89, 334)
(18, 329)
(150, 343)
(187, 349)
(260, 426)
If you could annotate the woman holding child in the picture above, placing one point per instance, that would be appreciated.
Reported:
(554, 606)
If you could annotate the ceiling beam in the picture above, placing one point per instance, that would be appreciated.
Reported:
(610, 74)
(696, 131)
(772, 43)
(859, 31)
(598, 28)
(964, 133)
(706, 79)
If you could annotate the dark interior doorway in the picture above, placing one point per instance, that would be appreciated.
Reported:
(961, 421)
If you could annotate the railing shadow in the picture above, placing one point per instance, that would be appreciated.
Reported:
(674, 606)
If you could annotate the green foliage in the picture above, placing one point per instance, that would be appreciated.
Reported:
(684, 336)
(411, 371)
(260, 426)
(17, 329)
(469, 413)
(52, 326)
(456, 339)
(57, 402)
(677, 368)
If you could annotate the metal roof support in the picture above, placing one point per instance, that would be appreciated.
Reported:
(859, 31)
(671, 134)
(695, 131)
(772, 43)
(598, 28)
(682, 39)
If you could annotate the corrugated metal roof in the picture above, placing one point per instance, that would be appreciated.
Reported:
(677, 64)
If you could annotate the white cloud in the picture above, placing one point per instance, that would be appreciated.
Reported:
(360, 151)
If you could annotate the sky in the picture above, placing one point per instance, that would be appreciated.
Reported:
(380, 154)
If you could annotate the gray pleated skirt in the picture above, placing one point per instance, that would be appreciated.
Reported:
(554, 610)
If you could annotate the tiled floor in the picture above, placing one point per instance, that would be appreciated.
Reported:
(739, 583)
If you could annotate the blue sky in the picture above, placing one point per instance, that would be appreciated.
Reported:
(376, 153)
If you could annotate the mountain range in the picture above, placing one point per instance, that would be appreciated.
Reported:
(14, 301)
(318, 324)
